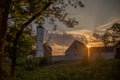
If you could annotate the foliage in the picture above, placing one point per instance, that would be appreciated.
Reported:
(23, 12)
(43, 61)
(27, 64)
(73, 70)
(31, 64)
(112, 35)
(24, 46)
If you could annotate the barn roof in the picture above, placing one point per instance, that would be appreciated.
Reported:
(77, 41)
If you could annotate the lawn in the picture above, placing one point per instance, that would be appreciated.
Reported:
(70, 70)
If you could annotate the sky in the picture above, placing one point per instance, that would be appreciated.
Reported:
(97, 12)
(96, 16)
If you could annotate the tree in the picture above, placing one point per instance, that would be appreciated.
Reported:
(112, 35)
(25, 43)
(4, 11)
(23, 12)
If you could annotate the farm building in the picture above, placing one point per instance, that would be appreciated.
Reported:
(112, 52)
(47, 49)
(78, 50)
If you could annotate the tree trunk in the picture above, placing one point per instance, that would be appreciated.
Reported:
(13, 63)
(4, 11)
(14, 52)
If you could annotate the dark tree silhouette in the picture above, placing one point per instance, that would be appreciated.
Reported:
(112, 35)
(4, 11)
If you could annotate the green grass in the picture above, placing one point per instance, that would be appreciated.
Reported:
(71, 70)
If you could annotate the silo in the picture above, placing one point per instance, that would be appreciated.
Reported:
(40, 40)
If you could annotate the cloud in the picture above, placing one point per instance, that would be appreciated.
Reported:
(80, 32)
(59, 38)
(101, 29)
(66, 38)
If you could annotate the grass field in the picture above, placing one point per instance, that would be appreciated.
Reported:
(70, 70)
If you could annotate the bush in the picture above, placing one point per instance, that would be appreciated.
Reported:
(27, 63)
(43, 61)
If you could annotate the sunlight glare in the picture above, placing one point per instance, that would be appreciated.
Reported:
(88, 46)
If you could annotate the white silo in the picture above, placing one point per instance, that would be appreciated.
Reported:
(40, 40)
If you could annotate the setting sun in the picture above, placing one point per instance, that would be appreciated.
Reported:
(88, 46)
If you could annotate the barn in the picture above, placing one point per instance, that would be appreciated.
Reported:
(78, 51)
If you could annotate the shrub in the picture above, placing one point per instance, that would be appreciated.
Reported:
(43, 61)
